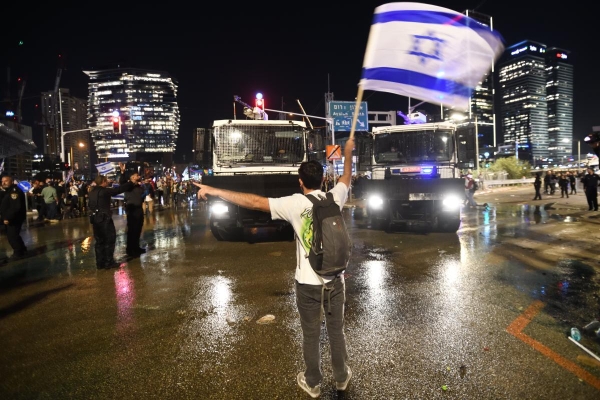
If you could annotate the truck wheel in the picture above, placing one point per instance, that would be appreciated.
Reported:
(449, 225)
(215, 232)
(379, 224)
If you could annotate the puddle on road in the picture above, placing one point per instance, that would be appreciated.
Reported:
(573, 298)
(536, 214)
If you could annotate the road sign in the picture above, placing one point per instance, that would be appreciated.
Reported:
(342, 113)
(24, 186)
(334, 152)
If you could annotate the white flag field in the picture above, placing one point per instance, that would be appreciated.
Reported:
(105, 168)
(429, 53)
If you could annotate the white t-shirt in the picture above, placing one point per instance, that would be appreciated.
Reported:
(297, 210)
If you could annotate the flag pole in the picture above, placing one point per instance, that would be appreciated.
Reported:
(359, 96)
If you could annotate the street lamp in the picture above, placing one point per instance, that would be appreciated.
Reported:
(63, 132)
(72, 159)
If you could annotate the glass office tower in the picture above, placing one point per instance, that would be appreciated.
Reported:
(559, 96)
(132, 112)
(523, 103)
(482, 99)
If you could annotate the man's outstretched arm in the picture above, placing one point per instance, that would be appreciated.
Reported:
(246, 200)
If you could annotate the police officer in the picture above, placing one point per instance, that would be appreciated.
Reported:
(13, 213)
(590, 187)
(105, 234)
(135, 216)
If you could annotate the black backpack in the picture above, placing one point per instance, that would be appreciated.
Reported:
(330, 245)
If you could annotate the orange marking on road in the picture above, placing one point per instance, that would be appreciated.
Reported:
(515, 329)
(524, 319)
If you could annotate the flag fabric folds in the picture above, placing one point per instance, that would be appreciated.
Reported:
(428, 52)
(69, 175)
(105, 168)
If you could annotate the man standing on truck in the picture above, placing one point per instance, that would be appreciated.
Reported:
(296, 209)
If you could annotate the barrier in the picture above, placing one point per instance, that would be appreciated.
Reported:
(506, 182)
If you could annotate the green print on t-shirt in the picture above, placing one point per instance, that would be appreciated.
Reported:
(306, 228)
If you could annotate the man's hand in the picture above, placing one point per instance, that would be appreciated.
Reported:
(203, 191)
(122, 167)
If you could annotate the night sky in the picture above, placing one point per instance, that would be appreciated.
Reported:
(286, 50)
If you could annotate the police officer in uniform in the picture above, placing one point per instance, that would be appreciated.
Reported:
(13, 213)
(135, 216)
(100, 213)
(590, 187)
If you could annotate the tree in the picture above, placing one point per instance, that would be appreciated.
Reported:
(516, 169)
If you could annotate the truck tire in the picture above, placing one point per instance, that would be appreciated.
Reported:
(449, 224)
(226, 234)
(215, 232)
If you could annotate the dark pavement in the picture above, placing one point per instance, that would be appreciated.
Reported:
(480, 314)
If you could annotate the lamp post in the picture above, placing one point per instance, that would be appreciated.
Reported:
(63, 132)
(578, 151)
(72, 159)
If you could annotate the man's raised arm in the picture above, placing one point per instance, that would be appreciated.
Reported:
(346, 177)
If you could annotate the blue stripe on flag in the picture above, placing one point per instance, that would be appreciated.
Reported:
(436, 18)
(417, 79)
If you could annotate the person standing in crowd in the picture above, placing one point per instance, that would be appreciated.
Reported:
(537, 184)
(148, 196)
(105, 235)
(563, 183)
(159, 192)
(51, 200)
(38, 199)
(297, 210)
(547, 176)
(134, 200)
(590, 187)
(13, 213)
(572, 182)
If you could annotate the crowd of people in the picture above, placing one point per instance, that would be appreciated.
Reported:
(54, 200)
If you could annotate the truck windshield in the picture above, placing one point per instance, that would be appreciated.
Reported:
(413, 147)
(242, 144)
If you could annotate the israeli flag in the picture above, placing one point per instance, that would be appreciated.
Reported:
(428, 52)
(105, 168)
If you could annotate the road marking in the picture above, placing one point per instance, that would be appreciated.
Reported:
(515, 329)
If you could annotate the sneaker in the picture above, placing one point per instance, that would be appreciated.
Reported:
(341, 386)
(313, 392)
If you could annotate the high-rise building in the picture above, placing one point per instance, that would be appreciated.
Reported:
(536, 89)
(19, 146)
(72, 126)
(482, 111)
(132, 112)
(559, 96)
(201, 148)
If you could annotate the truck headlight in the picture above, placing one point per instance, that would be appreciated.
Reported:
(219, 209)
(451, 202)
(376, 202)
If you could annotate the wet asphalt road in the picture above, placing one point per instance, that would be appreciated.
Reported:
(480, 314)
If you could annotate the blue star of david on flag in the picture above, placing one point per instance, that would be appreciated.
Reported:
(427, 42)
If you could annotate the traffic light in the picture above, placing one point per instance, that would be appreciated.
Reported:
(116, 124)
(64, 166)
(259, 101)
